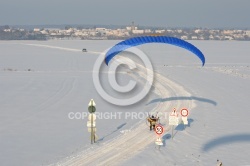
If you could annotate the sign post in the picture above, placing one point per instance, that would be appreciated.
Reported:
(184, 115)
(173, 120)
(92, 118)
(159, 131)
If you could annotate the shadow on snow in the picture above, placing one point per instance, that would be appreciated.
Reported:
(182, 127)
(118, 128)
(226, 140)
(183, 98)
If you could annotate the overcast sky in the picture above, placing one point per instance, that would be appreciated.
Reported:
(168, 13)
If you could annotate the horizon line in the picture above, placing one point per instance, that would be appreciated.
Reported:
(120, 25)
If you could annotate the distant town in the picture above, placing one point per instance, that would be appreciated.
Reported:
(104, 33)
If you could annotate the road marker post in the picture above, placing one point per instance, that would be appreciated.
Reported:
(91, 124)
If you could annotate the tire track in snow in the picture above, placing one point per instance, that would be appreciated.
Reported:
(67, 86)
(231, 71)
(115, 151)
(65, 89)
(61, 48)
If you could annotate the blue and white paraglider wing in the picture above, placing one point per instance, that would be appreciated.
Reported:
(152, 39)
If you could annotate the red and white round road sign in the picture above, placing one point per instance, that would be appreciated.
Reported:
(159, 129)
(184, 112)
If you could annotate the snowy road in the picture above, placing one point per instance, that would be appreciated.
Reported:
(134, 141)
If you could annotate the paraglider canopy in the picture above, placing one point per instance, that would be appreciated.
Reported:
(152, 39)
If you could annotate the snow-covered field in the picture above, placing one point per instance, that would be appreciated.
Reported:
(42, 82)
